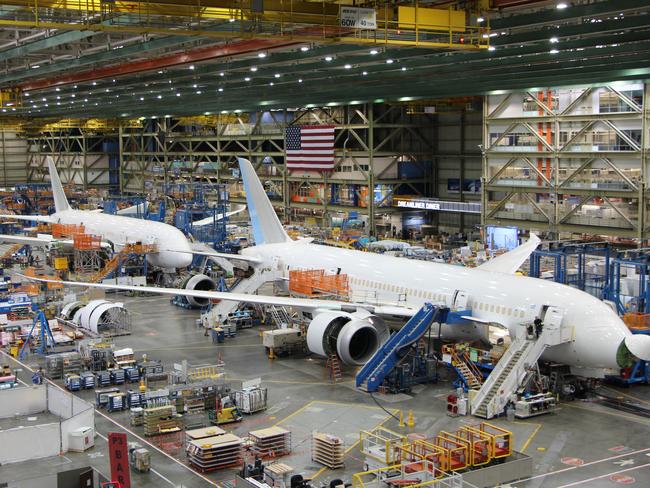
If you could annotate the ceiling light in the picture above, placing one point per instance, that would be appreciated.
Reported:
(374, 51)
(328, 58)
(277, 75)
(553, 40)
(85, 99)
(159, 97)
(94, 83)
(178, 94)
(221, 74)
(114, 81)
(299, 80)
(253, 69)
(271, 83)
(554, 51)
(491, 48)
(304, 49)
(36, 66)
(107, 90)
(160, 72)
(73, 95)
(58, 89)
(232, 19)
(364, 73)
(247, 79)
(347, 66)
(191, 66)
(219, 89)
(44, 99)
(561, 6)
(261, 55)
(389, 61)
(75, 87)
(58, 98)
(198, 92)
(480, 19)
(195, 85)
(141, 98)
(169, 81)
(26, 94)
(403, 68)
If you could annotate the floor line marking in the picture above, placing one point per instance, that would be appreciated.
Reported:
(575, 483)
(550, 473)
(627, 417)
(530, 437)
(627, 395)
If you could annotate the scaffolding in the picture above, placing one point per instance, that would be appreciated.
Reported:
(315, 282)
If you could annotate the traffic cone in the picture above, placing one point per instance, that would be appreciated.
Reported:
(143, 387)
(401, 418)
(271, 354)
(410, 421)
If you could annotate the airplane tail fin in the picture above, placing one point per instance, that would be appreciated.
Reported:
(60, 201)
(267, 228)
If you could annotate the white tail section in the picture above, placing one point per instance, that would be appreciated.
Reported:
(60, 201)
(267, 228)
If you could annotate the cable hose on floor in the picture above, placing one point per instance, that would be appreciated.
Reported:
(381, 406)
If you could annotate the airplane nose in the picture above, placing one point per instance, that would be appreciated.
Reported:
(639, 345)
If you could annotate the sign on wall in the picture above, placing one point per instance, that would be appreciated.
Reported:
(358, 18)
(118, 449)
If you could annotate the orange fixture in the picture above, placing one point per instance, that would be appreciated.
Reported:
(86, 242)
(314, 282)
(66, 230)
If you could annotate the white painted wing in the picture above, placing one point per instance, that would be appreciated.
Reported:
(43, 239)
(300, 303)
(511, 261)
(33, 218)
(201, 249)
(212, 218)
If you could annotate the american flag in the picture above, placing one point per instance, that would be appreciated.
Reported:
(309, 147)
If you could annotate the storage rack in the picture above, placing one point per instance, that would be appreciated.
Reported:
(212, 453)
(251, 400)
(327, 450)
(270, 442)
(160, 420)
(203, 433)
(136, 416)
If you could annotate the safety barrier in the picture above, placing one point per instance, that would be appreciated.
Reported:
(315, 282)
(66, 230)
(86, 242)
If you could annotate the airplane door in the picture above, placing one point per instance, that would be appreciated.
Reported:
(460, 300)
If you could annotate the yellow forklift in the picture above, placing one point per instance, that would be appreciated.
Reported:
(226, 412)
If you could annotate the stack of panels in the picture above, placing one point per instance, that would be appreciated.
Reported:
(204, 433)
(160, 420)
(212, 453)
(327, 450)
(271, 442)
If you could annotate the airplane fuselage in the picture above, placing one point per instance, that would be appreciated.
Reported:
(501, 298)
(174, 250)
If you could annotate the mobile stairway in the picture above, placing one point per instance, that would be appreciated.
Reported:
(247, 286)
(280, 317)
(512, 369)
(470, 377)
(393, 350)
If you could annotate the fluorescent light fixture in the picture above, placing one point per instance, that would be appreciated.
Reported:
(277, 75)
(271, 84)
(480, 19)
(198, 92)
(389, 61)
(141, 99)
(220, 89)
(178, 94)
(374, 51)
(328, 58)
(58, 89)
(299, 80)
(403, 68)
(36, 66)
(492, 48)
(160, 72)
(222, 74)
(232, 19)
(347, 66)
(94, 83)
(191, 66)
(261, 55)
(253, 69)
(561, 6)
(553, 40)
(195, 85)
(247, 79)
(159, 97)
(554, 51)
(304, 49)
(364, 73)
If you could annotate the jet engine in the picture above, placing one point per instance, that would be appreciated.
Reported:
(353, 337)
(199, 282)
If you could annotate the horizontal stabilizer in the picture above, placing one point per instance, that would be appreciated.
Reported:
(511, 261)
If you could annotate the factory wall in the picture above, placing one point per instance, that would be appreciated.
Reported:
(13, 159)
(458, 166)
(23, 401)
(34, 442)
(74, 412)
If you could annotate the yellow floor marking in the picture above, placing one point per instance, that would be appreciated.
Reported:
(627, 395)
(627, 417)
(531, 436)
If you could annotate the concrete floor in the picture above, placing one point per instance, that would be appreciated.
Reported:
(581, 445)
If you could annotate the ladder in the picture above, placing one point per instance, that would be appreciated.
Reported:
(108, 268)
(391, 353)
(469, 374)
(513, 368)
(11, 250)
(333, 368)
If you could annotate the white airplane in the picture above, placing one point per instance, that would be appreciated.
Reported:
(492, 293)
(174, 249)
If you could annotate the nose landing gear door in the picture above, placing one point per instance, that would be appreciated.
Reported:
(460, 300)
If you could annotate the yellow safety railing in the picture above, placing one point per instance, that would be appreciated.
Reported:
(381, 444)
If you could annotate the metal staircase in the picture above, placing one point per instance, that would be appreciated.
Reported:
(7, 250)
(279, 316)
(333, 368)
(512, 369)
(391, 352)
(248, 286)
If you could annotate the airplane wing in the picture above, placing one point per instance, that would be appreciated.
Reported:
(212, 218)
(33, 241)
(33, 218)
(201, 249)
(300, 303)
(511, 261)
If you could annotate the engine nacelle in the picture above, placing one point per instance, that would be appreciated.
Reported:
(353, 337)
(199, 282)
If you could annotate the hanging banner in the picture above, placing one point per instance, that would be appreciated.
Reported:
(358, 18)
(118, 450)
